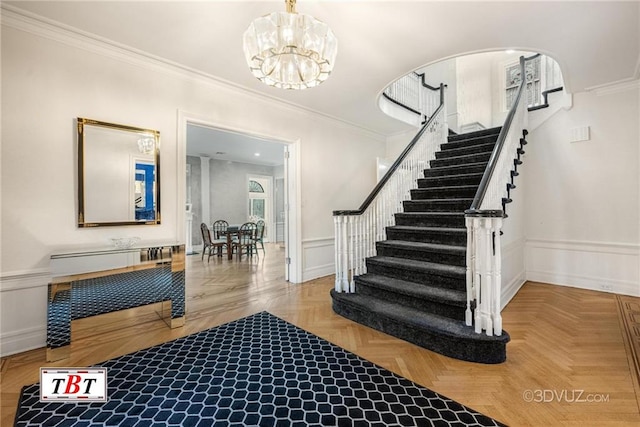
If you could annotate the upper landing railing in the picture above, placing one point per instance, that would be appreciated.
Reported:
(413, 94)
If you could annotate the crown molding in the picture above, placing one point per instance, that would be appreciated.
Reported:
(623, 85)
(20, 19)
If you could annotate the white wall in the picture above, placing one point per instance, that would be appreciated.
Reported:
(583, 198)
(50, 77)
(445, 72)
(397, 143)
(229, 193)
(474, 90)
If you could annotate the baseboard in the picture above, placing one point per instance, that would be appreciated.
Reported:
(317, 272)
(22, 340)
(600, 284)
(319, 258)
(511, 289)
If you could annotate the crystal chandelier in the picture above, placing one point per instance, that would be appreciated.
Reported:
(289, 50)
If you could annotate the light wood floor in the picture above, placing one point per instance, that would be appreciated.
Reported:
(567, 345)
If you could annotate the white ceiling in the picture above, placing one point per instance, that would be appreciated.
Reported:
(233, 147)
(594, 42)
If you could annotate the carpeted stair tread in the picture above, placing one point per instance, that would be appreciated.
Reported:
(469, 142)
(438, 205)
(429, 214)
(410, 264)
(414, 290)
(486, 147)
(475, 134)
(423, 229)
(439, 235)
(462, 159)
(450, 187)
(441, 250)
(452, 191)
(475, 167)
(421, 246)
(431, 219)
(418, 319)
(451, 180)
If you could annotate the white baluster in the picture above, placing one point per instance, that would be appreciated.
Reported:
(469, 271)
(487, 284)
(344, 282)
(497, 281)
(359, 248)
(356, 236)
(338, 250)
(477, 273)
(351, 253)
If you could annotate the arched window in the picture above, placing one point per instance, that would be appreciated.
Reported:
(255, 187)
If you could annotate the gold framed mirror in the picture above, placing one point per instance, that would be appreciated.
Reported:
(118, 174)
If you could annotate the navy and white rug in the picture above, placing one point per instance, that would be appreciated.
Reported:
(256, 371)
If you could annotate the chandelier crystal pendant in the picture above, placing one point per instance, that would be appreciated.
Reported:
(289, 50)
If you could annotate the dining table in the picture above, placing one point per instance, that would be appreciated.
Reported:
(232, 230)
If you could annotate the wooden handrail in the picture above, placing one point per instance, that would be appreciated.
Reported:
(396, 164)
(493, 160)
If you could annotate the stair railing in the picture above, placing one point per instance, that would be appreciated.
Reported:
(484, 220)
(357, 231)
(414, 94)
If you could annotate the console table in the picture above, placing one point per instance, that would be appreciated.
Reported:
(92, 281)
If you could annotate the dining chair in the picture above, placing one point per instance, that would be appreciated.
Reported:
(219, 228)
(209, 244)
(245, 241)
(259, 235)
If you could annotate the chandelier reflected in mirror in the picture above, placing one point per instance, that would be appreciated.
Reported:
(146, 144)
(290, 50)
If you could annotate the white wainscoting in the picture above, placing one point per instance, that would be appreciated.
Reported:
(513, 270)
(318, 258)
(23, 311)
(608, 267)
(598, 266)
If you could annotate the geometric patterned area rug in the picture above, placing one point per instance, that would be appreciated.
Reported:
(256, 371)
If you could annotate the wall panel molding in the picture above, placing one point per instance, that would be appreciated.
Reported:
(23, 292)
(318, 258)
(599, 266)
(16, 280)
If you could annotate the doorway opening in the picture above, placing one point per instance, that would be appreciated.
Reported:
(222, 167)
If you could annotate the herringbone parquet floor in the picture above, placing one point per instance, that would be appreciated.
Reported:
(567, 363)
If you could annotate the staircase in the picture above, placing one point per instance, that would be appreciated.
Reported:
(415, 288)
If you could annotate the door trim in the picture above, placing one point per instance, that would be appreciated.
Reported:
(293, 223)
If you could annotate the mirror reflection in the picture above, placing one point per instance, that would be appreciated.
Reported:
(118, 174)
